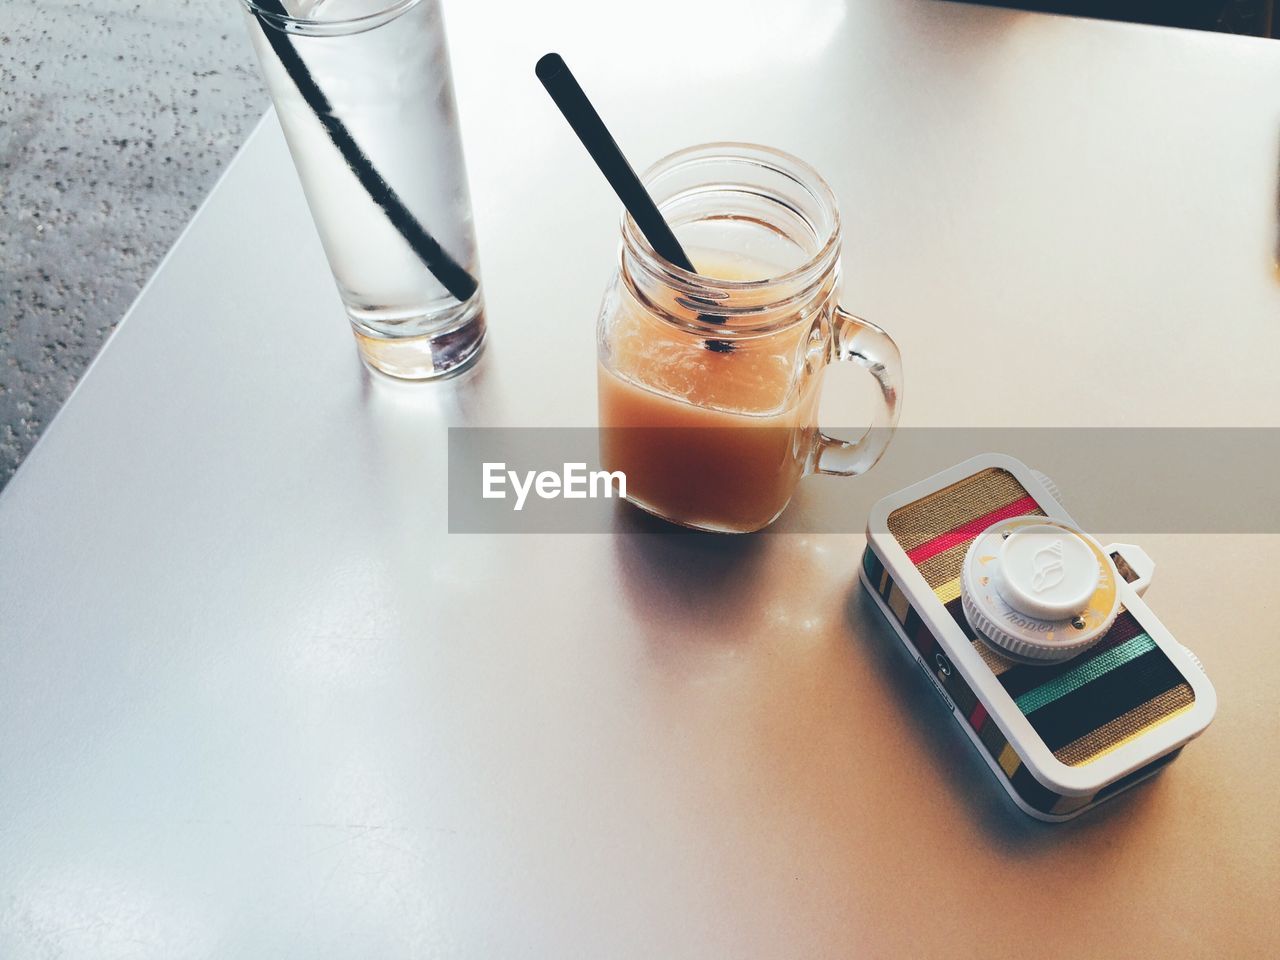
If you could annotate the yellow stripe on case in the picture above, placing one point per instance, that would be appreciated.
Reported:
(948, 591)
(1009, 760)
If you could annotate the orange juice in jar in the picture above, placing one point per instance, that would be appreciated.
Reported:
(709, 382)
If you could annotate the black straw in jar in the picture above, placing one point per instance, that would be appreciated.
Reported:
(577, 109)
(586, 123)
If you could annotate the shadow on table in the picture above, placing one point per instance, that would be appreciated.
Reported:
(933, 733)
(699, 577)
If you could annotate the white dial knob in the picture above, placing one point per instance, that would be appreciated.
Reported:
(1046, 572)
(1038, 589)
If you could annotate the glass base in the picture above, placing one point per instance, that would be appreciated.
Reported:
(448, 350)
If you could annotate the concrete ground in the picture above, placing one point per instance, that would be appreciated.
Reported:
(116, 117)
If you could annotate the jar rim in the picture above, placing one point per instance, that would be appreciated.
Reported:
(323, 26)
(778, 161)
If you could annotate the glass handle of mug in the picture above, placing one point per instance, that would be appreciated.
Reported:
(866, 344)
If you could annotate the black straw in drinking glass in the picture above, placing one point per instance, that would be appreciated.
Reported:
(451, 274)
(564, 89)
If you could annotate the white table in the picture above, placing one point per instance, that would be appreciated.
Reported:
(254, 702)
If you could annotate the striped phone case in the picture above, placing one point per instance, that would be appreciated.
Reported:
(1061, 737)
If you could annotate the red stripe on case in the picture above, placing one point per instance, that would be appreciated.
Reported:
(978, 718)
(970, 530)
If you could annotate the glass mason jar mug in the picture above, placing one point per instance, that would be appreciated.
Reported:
(709, 382)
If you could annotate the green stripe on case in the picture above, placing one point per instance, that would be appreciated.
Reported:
(1091, 670)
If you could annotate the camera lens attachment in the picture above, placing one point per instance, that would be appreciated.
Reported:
(1038, 590)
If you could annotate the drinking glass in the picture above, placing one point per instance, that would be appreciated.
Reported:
(364, 93)
(709, 381)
